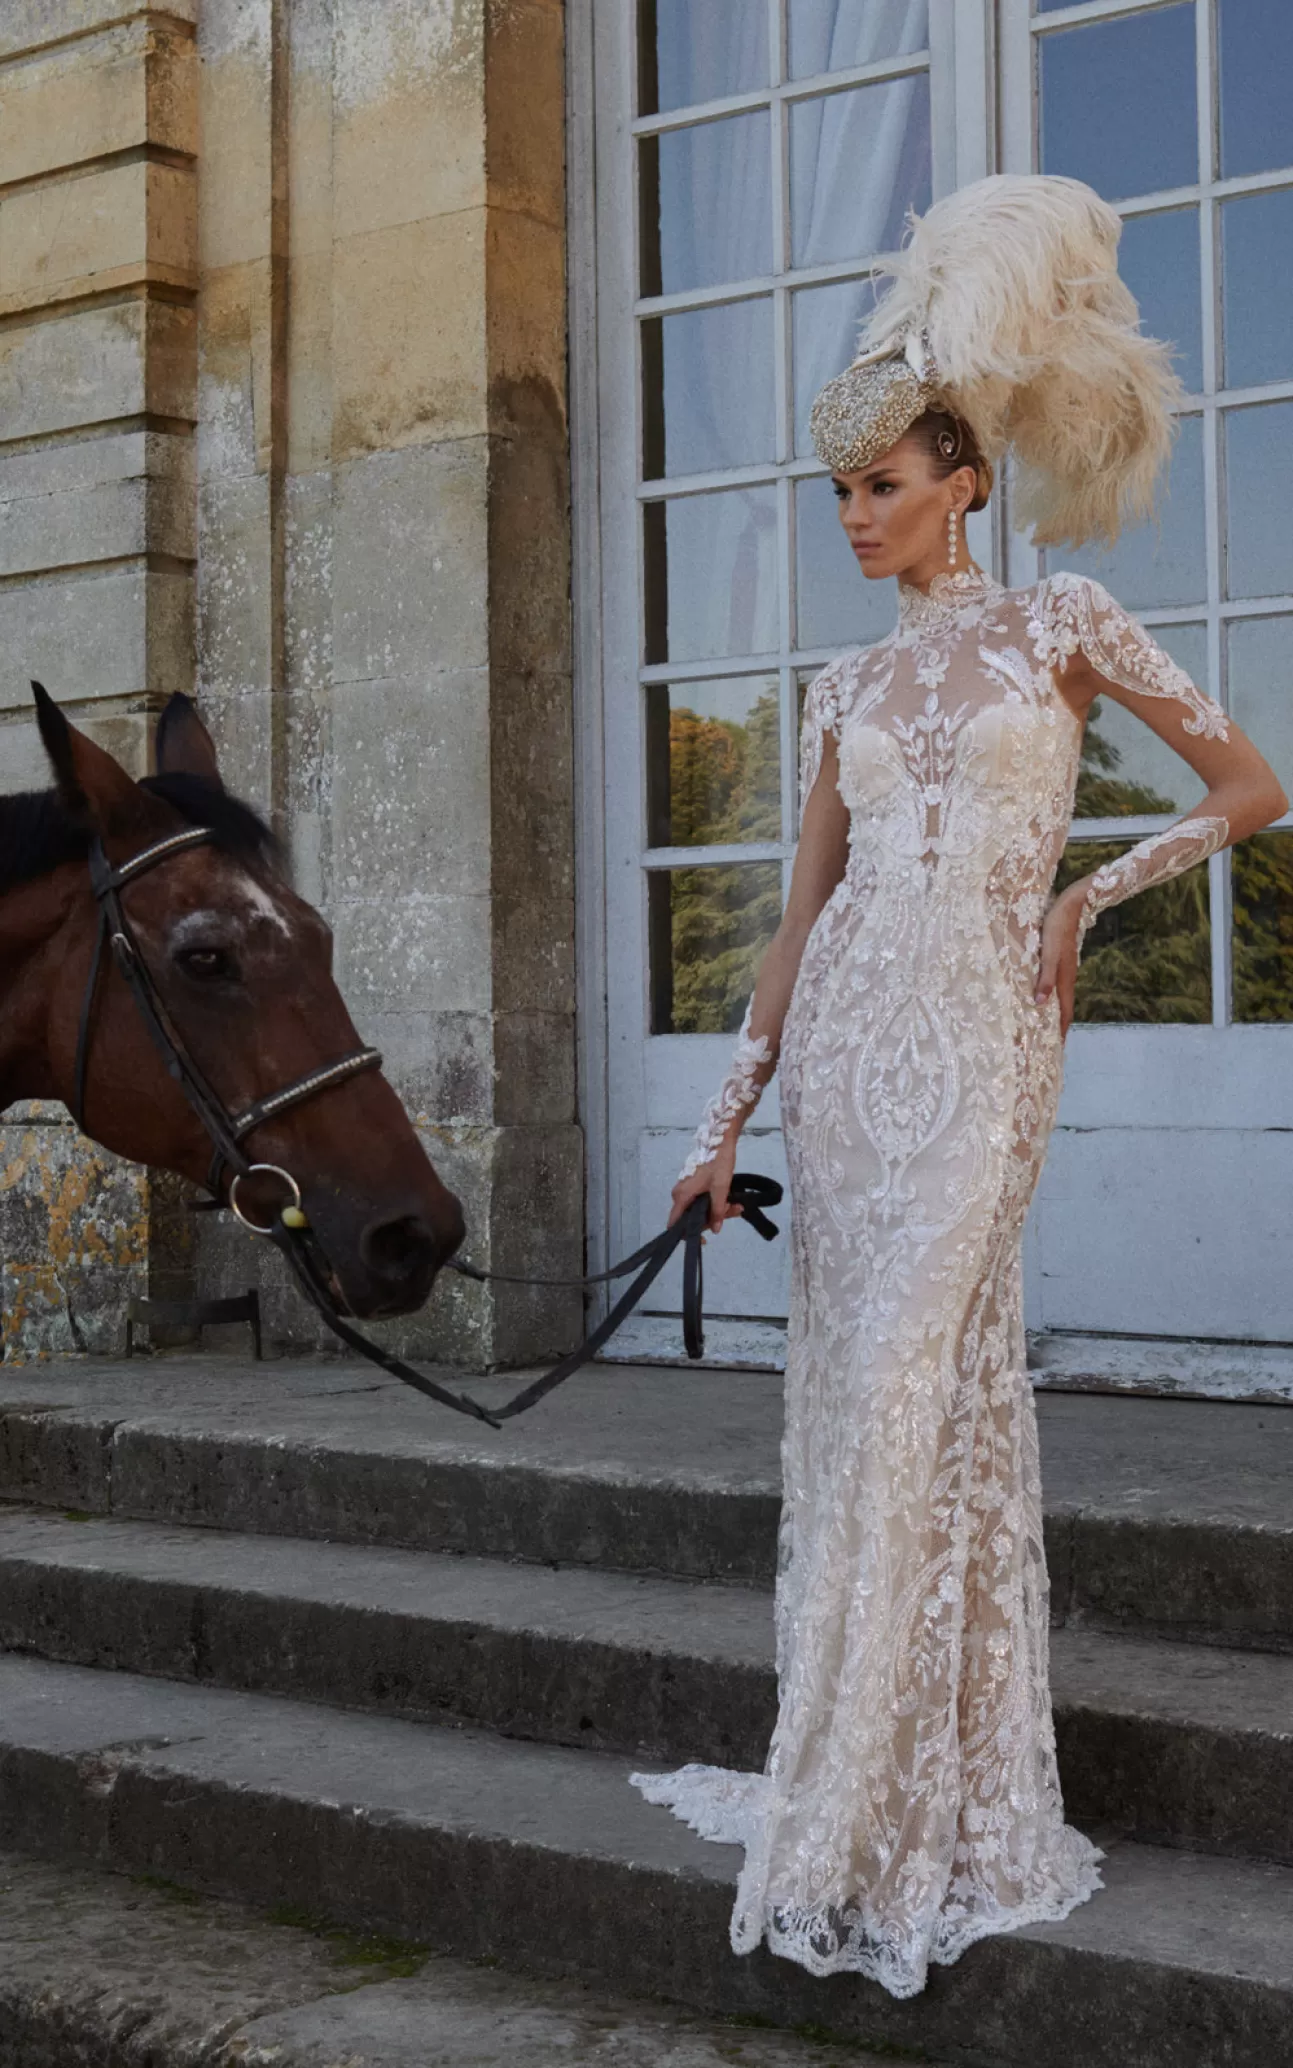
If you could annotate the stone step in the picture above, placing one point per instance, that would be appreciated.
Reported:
(1161, 1515)
(1172, 1743)
(132, 1972)
(545, 1858)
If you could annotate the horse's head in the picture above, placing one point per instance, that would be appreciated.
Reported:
(244, 969)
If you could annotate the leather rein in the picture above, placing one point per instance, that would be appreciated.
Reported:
(290, 1231)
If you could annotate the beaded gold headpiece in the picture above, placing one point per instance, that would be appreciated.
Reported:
(868, 407)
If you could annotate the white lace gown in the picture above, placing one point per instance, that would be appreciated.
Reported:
(910, 1802)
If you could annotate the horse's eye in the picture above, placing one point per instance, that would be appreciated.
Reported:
(207, 965)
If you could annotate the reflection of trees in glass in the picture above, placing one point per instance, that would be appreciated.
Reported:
(724, 785)
(1148, 960)
(1262, 890)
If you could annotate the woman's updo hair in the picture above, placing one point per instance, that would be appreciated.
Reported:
(950, 443)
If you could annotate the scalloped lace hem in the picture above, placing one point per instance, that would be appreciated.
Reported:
(723, 1806)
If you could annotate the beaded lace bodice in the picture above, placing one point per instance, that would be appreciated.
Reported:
(910, 1801)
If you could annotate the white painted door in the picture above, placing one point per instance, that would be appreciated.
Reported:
(750, 160)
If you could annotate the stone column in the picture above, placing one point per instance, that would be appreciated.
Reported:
(384, 575)
(98, 278)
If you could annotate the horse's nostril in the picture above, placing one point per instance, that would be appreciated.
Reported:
(398, 1249)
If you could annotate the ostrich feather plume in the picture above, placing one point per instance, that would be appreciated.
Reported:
(1012, 283)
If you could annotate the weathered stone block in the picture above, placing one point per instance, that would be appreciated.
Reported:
(132, 84)
(73, 1241)
(94, 365)
(309, 400)
(413, 954)
(534, 1068)
(525, 103)
(440, 1063)
(411, 788)
(234, 603)
(409, 544)
(87, 635)
(536, 1228)
(241, 724)
(72, 504)
(95, 223)
(27, 25)
(409, 113)
(409, 334)
(121, 731)
(234, 203)
(233, 308)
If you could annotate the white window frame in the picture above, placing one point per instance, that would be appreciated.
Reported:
(1021, 32)
(626, 1072)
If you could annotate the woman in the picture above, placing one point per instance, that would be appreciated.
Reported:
(917, 995)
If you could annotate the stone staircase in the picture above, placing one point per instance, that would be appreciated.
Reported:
(287, 1635)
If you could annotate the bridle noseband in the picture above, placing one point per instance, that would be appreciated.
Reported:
(291, 1232)
(227, 1130)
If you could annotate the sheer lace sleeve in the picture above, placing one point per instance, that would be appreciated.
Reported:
(755, 1055)
(823, 710)
(1152, 860)
(1075, 614)
(740, 1089)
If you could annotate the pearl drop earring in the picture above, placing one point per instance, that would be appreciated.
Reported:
(951, 538)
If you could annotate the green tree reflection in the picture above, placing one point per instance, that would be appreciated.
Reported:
(724, 785)
(1148, 960)
(1262, 893)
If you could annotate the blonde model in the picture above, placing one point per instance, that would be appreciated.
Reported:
(916, 998)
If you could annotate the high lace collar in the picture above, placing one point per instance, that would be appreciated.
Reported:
(949, 599)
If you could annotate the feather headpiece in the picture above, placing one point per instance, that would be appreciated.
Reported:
(1007, 310)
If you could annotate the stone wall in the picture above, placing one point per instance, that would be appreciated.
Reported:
(344, 455)
(98, 363)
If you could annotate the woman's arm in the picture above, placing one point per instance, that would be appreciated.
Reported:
(819, 865)
(1104, 652)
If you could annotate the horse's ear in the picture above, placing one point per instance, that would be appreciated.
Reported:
(94, 788)
(184, 746)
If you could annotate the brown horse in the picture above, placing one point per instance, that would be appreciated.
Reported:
(244, 970)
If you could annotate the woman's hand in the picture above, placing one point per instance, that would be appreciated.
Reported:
(1059, 958)
(715, 1178)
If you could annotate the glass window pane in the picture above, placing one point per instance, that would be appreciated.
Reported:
(713, 762)
(1148, 960)
(1117, 103)
(1158, 257)
(858, 162)
(825, 322)
(837, 605)
(707, 389)
(1255, 52)
(1161, 563)
(1257, 244)
(708, 931)
(711, 575)
(1262, 943)
(1259, 655)
(706, 202)
(688, 54)
(1126, 769)
(834, 35)
(1259, 456)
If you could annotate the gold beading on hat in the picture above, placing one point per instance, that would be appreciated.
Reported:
(868, 407)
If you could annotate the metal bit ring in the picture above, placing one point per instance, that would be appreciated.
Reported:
(275, 1170)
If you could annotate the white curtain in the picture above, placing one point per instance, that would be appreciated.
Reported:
(858, 160)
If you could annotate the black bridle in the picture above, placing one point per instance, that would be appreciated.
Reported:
(290, 1231)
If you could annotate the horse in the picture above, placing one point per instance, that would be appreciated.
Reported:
(241, 968)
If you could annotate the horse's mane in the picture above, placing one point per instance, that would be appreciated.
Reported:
(38, 833)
